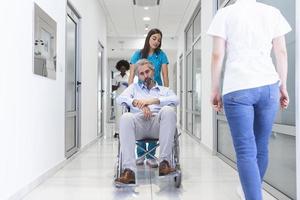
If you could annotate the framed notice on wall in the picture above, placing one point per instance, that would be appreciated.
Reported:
(44, 44)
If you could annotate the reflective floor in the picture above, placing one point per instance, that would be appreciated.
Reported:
(90, 177)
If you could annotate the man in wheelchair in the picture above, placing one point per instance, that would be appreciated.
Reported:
(151, 116)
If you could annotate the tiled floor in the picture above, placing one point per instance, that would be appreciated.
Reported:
(90, 177)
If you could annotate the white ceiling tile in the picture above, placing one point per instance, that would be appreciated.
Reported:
(125, 20)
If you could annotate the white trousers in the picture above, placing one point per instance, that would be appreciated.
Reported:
(118, 115)
(133, 126)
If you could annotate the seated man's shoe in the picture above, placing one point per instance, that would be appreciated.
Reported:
(140, 161)
(152, 163)
(127, 178)
(165, 168)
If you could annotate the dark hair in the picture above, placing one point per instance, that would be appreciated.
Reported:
(146, 49)
(124, 63)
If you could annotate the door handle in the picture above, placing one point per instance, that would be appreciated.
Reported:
(78, 83)
(190, 91)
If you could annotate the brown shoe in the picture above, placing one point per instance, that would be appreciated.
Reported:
(165, 168)
(127, 178)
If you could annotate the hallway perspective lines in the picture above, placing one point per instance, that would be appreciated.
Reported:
(90, 176)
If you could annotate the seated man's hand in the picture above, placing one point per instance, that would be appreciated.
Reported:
(147, 112)
(141, 103)
(144, 102)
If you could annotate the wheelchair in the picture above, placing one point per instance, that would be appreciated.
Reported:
(174, 157)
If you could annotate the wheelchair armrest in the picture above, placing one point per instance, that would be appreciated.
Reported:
(125, 108)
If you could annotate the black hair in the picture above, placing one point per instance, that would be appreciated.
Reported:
(146, 49)
(121, 63)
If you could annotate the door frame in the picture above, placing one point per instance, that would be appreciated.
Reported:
(180, 89)
(100, 48)
(190, 113)
(297, 88)
(72, 12)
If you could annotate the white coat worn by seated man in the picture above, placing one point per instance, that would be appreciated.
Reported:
(152, 116)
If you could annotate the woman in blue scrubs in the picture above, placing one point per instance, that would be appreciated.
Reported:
(153, 53)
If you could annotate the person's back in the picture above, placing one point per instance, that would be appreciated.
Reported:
(252, 88)
(251, 25)
(249, 28)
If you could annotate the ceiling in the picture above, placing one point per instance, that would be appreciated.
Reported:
(125, 19)
(126, 27)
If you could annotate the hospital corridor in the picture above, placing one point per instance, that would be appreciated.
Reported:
(89, 176)
(136, 99)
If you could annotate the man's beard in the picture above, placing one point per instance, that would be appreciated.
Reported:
(148, 82)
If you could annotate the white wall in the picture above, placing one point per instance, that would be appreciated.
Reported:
(207, 13)
(32, 107)
(298, 96)
(93, 29)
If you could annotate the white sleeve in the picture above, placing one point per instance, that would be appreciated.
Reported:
(115, 81)
(126, 96)
(218, 25)
(282, 27)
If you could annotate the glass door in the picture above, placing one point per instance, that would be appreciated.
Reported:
(72, 84)
(100, 91)
(189, 95)
(181, 91)
(193, 75)
(197, 80)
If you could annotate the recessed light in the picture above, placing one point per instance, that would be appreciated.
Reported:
(146, 29)
(146, 8)
(146, 18)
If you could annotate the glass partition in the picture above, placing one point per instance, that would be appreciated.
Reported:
(193, 74)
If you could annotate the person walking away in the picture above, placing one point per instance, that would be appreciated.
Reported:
(247, 31)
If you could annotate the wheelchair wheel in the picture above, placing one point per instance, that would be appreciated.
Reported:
(118, 165)
(177, 179)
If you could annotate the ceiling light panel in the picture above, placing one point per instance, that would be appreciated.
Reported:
(146, 3)
(146, 18)
(140, 13)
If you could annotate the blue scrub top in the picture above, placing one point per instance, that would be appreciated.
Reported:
(158, 59)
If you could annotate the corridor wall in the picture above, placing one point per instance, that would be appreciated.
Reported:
(32, 108)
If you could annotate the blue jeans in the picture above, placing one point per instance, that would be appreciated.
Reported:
(140, 152)
(251, 114)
